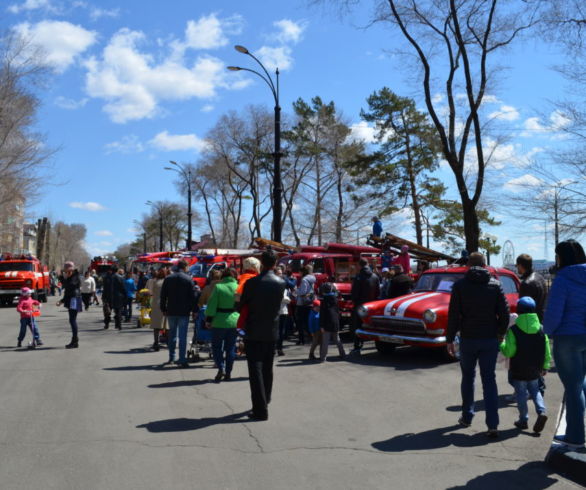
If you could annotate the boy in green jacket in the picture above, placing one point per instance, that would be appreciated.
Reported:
(223, 317)
(528, 347)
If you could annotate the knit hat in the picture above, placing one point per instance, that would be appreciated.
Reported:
(25, 292)
(526, 304)
(405, 248)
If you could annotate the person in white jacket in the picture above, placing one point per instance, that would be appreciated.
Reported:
(88, 289)
(283, 315)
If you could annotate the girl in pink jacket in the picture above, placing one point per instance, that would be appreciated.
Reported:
(26, 306)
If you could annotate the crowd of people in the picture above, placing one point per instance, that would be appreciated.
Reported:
(257, 305)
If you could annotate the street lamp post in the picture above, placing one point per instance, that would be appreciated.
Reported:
(187, 176)
(160, 211)
(277, 185)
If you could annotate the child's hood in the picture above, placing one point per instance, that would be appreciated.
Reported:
(528, 323)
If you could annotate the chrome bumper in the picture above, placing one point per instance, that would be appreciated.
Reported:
(9, 291)
(405, 338)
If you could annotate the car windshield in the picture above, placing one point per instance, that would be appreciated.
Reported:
(16, 266)
(199, 270)
(442, 282)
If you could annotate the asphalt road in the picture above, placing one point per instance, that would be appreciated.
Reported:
(102, 417)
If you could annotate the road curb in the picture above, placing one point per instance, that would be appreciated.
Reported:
(569, 463)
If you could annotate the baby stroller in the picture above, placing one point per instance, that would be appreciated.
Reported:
(202, 339)
(143, 298)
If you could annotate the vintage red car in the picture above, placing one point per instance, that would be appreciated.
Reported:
(421, 318)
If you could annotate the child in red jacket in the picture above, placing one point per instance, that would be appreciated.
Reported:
(26, 306)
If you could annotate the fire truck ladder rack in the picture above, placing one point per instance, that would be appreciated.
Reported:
(392, 242)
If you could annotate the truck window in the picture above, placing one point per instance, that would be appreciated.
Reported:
(295, 265)
(16, 266)
(318, 266)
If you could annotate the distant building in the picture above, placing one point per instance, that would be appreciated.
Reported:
(16, 236)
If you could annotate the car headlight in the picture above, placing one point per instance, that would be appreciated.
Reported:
(429, 316)
(362, 311)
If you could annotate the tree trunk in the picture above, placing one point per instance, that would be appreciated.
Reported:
(471, 225)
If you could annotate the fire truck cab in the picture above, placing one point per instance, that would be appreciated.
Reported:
(18, 271)
(102, 264)
(336, 263)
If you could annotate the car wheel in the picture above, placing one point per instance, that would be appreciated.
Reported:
(384, 348)
(447, 356)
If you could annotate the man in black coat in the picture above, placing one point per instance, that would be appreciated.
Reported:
(479, 312)
(107, 296)
(401, 283)
(365, 288)
(532, 283)
(177, 303)
(261, 300)
(118, 297)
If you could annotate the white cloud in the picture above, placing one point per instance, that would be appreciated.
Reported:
(490, 99)
(70, 104)
(289, 31)
(61, 41)
(87, 206)
(276, 57)
(208, 32)
(181, 142)
(500, 155)
(437, 98)
(31, 5)
(207, 108)
(133, 84)
(128, 144)
(534, 126)
(103, 233)
(522, 183)
(505, 113)
(98, 13)
(361, 131)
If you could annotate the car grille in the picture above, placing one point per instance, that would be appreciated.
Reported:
(397, 325)
(11, 284)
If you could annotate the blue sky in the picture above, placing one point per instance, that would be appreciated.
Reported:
(139, 83)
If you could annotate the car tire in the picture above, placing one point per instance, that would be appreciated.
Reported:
(384, 348)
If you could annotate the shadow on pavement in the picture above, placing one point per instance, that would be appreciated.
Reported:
(193, 382)
(183, 424)
(402, 359)
(295, 362)
(503, 402)
(533, 475)
(146, 367)
(439, 438)
(139, 350)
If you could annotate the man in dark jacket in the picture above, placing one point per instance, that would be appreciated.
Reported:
(261, 298)
(365, 288)
(480, 314)
(177, 303)
(118, 297)
(401, 283)
(532, 283)
(107, 297)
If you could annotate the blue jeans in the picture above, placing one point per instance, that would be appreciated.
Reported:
(569, 352)
(128, 308)
(28, 322)
(484, 353)
(521, 389)
(177, 328)
(224, 340)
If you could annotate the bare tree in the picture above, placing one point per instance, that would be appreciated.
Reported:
(459, 38)
(23, 152)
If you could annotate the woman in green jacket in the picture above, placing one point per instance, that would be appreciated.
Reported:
(222, 316)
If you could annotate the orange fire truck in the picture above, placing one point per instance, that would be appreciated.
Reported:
(18, 271)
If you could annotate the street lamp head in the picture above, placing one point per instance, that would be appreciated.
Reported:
(172, 162)
(168, 168)
(234, 68)
(241, 49)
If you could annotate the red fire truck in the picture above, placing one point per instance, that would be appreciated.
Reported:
(102, 264)
(18, 271)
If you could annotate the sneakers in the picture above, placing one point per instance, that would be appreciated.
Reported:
(39, 342)
(539, 423)
(19, 344)
(561, 439)
(219, 376)
(522, 424)
(463, 423)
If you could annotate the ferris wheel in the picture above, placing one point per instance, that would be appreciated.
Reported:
(508, 253)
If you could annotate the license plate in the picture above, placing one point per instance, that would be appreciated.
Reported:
(345, 313)
(391, 341)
